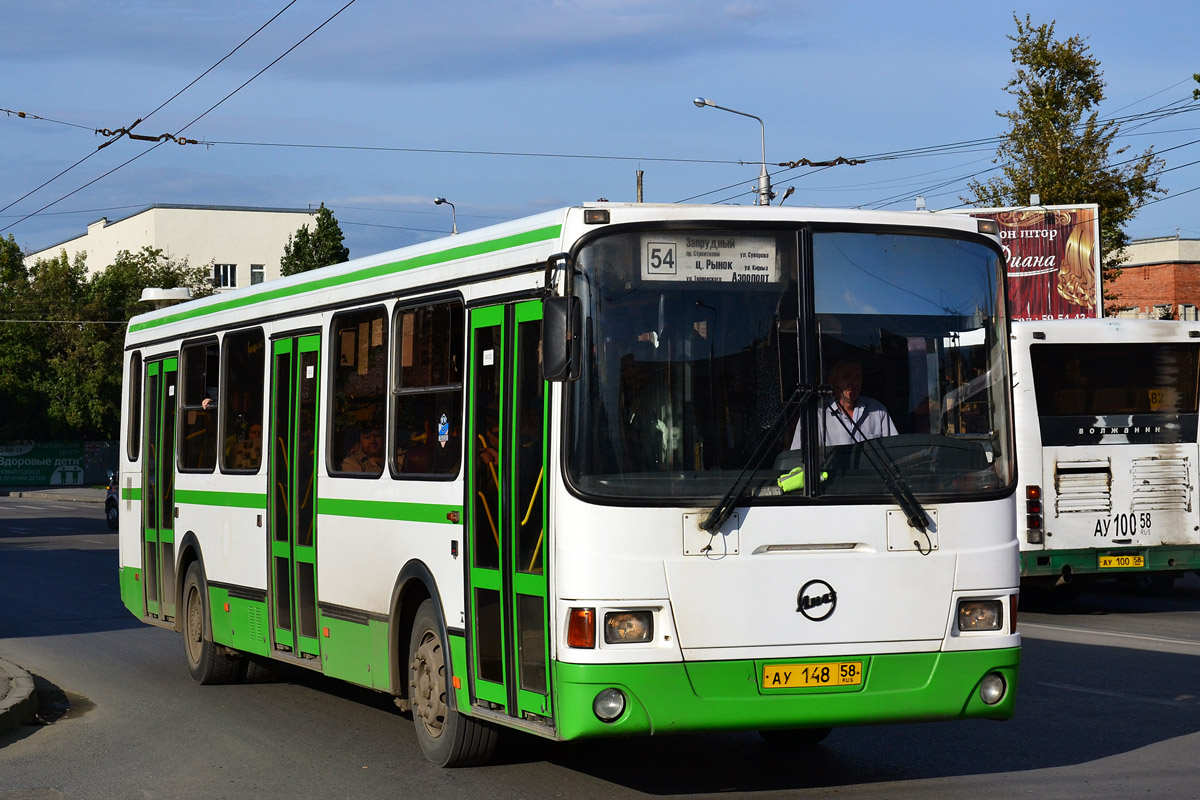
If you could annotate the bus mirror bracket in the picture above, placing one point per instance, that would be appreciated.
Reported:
(562, 319)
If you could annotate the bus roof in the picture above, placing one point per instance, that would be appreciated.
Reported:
(521, 242)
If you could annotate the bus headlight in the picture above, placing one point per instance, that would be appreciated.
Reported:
(621, 627)
(980, 615)
(609, 705)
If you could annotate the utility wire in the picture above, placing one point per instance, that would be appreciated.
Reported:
(181, 130)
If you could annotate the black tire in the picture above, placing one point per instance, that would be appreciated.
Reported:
(207, 662)
(448, 738)
(795, 738)
(112, 516)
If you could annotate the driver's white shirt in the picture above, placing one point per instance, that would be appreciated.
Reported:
(871, 421)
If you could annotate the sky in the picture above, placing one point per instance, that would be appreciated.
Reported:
(512, 107)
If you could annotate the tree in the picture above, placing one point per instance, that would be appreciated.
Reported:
(1056, 145)
(62, 338)
(113, 297)
(20, 357)
(319, 247)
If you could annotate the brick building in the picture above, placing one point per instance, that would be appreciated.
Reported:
(1160, 279)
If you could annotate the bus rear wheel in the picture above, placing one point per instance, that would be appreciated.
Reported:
(448, 738)
(207, 662)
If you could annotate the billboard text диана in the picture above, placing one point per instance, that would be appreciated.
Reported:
(1052, 256)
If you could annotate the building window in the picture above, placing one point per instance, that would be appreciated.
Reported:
(225, 276)
(257, 273)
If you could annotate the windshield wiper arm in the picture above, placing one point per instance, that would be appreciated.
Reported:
(914, 512)
(722, 510)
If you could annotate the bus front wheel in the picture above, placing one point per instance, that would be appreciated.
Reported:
(448, 738)
(207, 662)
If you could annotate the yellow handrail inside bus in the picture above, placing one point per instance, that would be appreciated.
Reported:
(533, 499)
(536, 549)
(491, 466)
(491, 521)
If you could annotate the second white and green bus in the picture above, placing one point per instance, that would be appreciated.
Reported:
(1107, 450)
(550, 476)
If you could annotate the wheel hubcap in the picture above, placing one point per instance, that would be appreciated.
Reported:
(195, 626)
(428, 684)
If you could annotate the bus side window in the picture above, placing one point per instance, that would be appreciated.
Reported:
(198, 409)
(244, 361)
(359, 344)
(134, 410)
(428, 390)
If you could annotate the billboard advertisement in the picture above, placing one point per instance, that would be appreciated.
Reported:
(56, 463)
(1053, 260)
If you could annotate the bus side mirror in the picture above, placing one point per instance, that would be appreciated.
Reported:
(562, 320)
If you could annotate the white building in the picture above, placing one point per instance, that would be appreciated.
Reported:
(241, 246)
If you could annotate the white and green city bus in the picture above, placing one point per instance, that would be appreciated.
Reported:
(550, 476)
(1107, 450)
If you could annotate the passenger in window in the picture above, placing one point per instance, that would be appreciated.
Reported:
(247, 453)
(850, 416)
(367, 454)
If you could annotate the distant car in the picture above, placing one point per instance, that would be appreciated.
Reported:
(111, 502)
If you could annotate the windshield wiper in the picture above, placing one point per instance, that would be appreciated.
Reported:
(724, 509)
(914, 512)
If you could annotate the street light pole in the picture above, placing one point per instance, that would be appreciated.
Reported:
(437, 201)
(764, 191)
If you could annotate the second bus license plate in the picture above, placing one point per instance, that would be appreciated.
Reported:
(1122, 562)
(804, 676)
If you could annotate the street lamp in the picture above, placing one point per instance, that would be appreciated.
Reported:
(763, 191)
(437, 201)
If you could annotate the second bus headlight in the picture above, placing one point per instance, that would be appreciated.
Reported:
(980, 615)
(623, 627)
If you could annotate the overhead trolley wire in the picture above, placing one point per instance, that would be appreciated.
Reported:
(185, 127)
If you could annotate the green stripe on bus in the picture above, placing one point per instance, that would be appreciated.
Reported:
(223, 499)
(383, 509)
(329, 282)
(131, 493)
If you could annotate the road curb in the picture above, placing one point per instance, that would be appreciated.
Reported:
(18, 697)
(62, 496)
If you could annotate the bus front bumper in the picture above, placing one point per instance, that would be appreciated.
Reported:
(729, 695)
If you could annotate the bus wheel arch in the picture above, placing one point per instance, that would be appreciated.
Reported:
(187, 553)
(414, 585)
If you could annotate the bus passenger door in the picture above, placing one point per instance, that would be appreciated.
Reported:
(507, 513)
(158, 482)
(295, 378)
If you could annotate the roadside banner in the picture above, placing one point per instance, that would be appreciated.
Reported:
(56, 463)
(1053, 260)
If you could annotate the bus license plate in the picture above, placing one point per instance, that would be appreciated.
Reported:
(803, 676)
(1122, 562)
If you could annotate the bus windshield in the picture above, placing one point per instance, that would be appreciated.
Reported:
(695, 340)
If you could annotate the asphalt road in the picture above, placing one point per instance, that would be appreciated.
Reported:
(1108, 706)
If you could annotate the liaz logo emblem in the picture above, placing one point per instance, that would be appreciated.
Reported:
(816, 601)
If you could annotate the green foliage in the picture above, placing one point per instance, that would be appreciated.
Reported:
(1056, 145)
(62, 339)
(320, 247)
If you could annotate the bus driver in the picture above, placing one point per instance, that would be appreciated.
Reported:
(851, 416)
